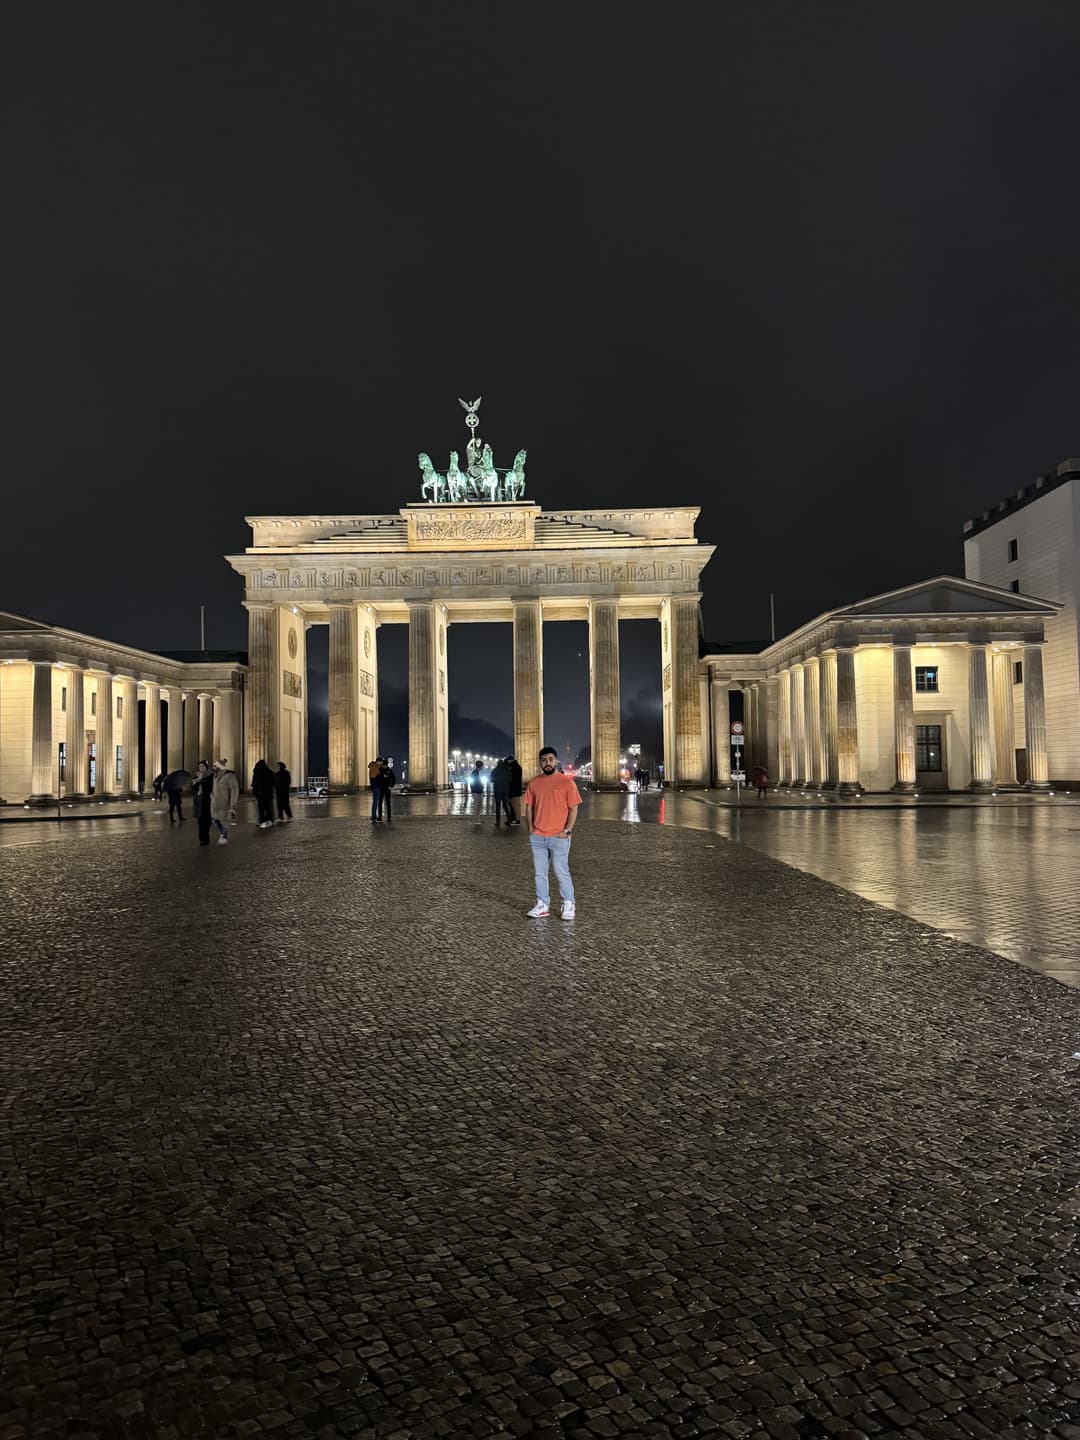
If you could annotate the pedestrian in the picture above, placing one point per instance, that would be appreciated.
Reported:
(387, 781)
(374, 770)
(551, 801)
(515, 787)
(174, 790)
(262, 787)
(223, 799)
(761, 780)
(282, 786)
(201, 787)
(159, 785)
(500, 789)
(645, 777)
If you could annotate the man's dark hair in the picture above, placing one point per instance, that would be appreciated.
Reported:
(548, 750)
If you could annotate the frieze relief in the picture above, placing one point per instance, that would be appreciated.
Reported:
(367, 683)
(483, 528)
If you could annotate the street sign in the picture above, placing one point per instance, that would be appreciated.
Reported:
(737, 727)
(739, 776)
(738, 740)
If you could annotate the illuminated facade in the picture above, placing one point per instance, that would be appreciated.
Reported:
(434, 565)
(81, 716)
(1030, 542)
(934, 686)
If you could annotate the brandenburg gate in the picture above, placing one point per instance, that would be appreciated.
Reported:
(467, 555)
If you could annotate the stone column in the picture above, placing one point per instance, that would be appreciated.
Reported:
(343, 692)
(770, 756)
(830, 763)
(720, 697)
(367, 697)
(904, 719)
(191, 731)
(45, 757)
(227, 729)
(104, 753)
(129, 732)
(691, 761)
(77, 781)
(798, 728)
(979, 720)
(847, 724)
(175, 736)
(1004, 741)
(604, 693)
(423, 739)
(151, 734)
(206, 726)
(784, 771)
(263, 680)
(812, 714)
(1035, 719)
(528, 682)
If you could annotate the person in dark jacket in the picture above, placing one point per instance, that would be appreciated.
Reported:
(514, 770)
(159, 784)
(500, 789)
(384, 786)
(282, 785)
(174, 790)
(262, 787)
(201, 788)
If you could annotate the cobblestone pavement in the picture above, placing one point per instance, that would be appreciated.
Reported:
(315, 1134)
(1004, 878)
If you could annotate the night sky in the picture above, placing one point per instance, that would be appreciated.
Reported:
(812, 267)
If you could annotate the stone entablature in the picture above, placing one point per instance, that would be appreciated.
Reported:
(552, 528)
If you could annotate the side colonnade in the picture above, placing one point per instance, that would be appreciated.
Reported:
(80, 717)
(935, 700)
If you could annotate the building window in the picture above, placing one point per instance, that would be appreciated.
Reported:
(1013, 551)
(928, 748)
(119, 707)
(119, 762)
(926, 678)
(93, 702)
(1018, 672)
(1016, 587)
(63, 697)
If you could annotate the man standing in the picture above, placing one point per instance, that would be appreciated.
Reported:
(500, 789)
(514, 770)
(174, 790)
(551, 801)
(224, 799)
(201, 787)
(387, 781)
(282, 786)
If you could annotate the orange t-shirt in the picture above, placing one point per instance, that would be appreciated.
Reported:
(551, 798)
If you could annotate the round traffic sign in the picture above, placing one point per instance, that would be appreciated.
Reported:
(736, 727)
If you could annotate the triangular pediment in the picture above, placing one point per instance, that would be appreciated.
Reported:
(947, 595)
(10, 622)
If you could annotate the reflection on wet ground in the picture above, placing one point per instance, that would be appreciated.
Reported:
(1001, 877)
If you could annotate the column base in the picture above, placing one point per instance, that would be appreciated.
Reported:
(983, 787)
(37, 800)
(903, 787)
(1037, 786)
(827, 785)
(850, 787)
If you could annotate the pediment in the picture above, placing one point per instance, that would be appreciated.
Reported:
(947, 595)
(10, 623)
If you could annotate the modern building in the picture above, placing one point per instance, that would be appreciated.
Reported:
(81, 716)
(1029, 543)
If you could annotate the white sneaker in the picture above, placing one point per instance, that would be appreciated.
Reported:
(266, 825)
(222, 840)
(538, 911)
(569, 910)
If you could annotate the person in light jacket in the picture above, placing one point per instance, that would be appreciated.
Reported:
(223, 799)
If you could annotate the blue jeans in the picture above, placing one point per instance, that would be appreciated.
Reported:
(553, 849)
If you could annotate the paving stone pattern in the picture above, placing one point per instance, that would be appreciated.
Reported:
(1004, 878)
(316, 1135)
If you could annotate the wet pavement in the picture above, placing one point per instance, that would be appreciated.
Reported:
(315, 1134)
